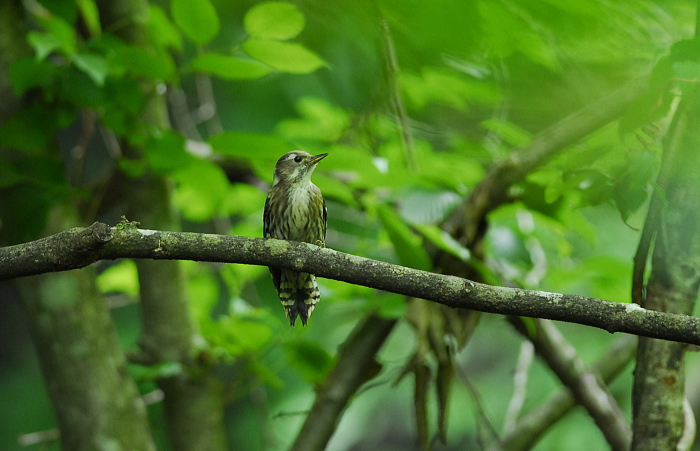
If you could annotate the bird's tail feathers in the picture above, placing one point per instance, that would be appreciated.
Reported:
(299, 294)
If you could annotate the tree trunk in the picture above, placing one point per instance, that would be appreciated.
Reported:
(193, 407)
(673, 285)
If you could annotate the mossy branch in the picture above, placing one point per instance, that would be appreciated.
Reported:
(79, 247)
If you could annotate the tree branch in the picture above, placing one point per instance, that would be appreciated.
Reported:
(534, 423)
(465, 222)
(356, 364)
(584, 384)
(80, 247)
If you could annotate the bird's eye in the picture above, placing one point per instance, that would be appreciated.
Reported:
(297, 159)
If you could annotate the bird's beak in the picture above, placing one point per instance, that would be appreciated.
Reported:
(316, 158)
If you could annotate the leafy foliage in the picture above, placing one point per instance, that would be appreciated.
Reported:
(477, 81)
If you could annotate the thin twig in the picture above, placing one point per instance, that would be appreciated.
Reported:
(392, 74)
(584, 384)
(519, 386)
(531, 426)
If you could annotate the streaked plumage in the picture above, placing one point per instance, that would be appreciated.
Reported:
(295, 210)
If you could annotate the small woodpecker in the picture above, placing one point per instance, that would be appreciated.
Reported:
(295, 210)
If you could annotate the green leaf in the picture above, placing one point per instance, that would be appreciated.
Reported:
(27, 73)
(201, 189)
(229, 67)
(632, 186)
(686, 70)
(166, 152)
(321, 121)
(161, 32)
(91, 16)
(63, 32)
(284, 56)
(141, 62)
(311, 360)
(444, 87)
(239, 334)
(30, 129)
(266, 148)
(274, 20)
(95, 66)
(43, 43)
(197, 18)
(446, 169)
(407, 245)
(511, 133)
(202, 290)
(388, 305)
(78, 89)
(335, 189)
(356, 166)
(243, 199)
(443, 241)
(151, 373)
(125, 93)
(120, 278)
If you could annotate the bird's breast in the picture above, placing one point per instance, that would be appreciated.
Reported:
(302, 213)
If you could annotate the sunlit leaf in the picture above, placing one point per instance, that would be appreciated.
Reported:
(160, 30)
(443, 241)
(333, 188)
(284, 56)
(95, 66)
(511, 133)
(120, 278)
(43, 43)
(267, 149)
(197, 18)
(166, 152)
(274, 20)
(229, 67)
(201, 189)
(91, 16)
(245, 144)
(202, 290)
(243, 199)
(321, 121)
(241, 334)
(508, 32)
(151, 373)
(142, 62)
(59, 35)
(446, 170)
(445, 87)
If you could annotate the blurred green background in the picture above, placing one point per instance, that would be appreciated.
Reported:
(477, 80)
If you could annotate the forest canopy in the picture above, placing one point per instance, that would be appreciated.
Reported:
(546, 146)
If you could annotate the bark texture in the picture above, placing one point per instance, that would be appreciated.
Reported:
(673, 285)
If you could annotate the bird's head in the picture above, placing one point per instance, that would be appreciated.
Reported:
(296, 167)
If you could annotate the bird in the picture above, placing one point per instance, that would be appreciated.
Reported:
(295, 210)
